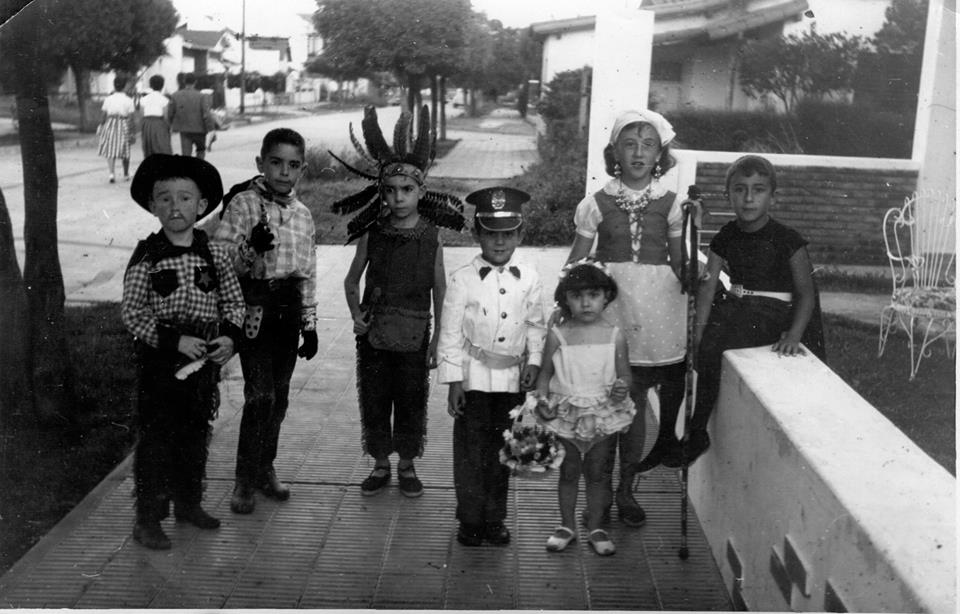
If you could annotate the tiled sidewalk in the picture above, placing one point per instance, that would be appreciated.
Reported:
(329, 547)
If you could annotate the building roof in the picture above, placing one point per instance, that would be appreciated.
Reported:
(201, 39)
(679, 20)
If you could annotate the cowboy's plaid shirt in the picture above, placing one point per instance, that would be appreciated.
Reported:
(294, 254)
(178, 295)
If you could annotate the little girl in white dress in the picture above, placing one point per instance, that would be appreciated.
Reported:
(583, 396)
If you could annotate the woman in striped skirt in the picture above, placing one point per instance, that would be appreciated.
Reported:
(116, 128)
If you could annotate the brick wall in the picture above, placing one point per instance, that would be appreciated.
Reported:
(838, 210)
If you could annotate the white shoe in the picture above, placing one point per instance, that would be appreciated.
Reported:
(601, 543)
(560, 539)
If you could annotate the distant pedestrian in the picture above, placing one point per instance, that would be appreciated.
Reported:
(156, 126)
(270, 236)
(116, 130)
(400, 258)
(772, 298)
(191, 116)
(491, 345)
(183, 304)
(583, 395)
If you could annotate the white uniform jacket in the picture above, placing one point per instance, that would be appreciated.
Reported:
(501, 314)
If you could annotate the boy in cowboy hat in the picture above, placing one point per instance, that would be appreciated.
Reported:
(183, 304)
(491, 342)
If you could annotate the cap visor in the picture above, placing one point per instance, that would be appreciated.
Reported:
(500, 223)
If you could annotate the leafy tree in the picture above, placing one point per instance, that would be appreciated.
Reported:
(104, 35)
(889, 74)
(34, 52)
(795, 67)
(412, 39)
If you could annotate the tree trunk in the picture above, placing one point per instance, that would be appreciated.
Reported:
(434, 92)
(50, 373)
(442, 131)
(14, 326)
(81, 78)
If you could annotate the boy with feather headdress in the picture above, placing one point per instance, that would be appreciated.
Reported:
(400, 250)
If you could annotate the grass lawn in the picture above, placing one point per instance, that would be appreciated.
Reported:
(45, 473)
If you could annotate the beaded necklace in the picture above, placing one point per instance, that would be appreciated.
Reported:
(634, 206)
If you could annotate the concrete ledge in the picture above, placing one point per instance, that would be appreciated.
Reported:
(813, 501)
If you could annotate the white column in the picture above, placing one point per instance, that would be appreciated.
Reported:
(935, 130)
(621, 78)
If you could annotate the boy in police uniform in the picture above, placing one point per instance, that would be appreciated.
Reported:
(182, 302)
(491, 342)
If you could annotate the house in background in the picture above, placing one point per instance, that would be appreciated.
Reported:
(695, 43)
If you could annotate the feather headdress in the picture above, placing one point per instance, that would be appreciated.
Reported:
(408, 156)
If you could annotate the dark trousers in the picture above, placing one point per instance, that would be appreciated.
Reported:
(173, 427)
(671, 381)
(267, 362)
(392, 384)
(482, 483)
(734, 323)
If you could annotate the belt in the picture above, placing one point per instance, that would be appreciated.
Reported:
(491, 359)
(740, 291)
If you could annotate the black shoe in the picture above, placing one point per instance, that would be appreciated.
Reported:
(673, 456)
(697, 444)
(195, 515)
(629, 511)
(376, 481)
(410, 484)
(150, 534)
(663, 449)
(470, 535)
(273, 487)
(242, 501)
(496, 533)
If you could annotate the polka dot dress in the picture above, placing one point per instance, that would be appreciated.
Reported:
(651, 311)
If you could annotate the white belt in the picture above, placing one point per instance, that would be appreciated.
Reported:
(491, 359)
(740, 291)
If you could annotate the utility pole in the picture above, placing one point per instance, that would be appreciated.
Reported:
(243, 53)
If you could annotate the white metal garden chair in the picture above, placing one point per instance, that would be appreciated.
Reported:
(921, 248)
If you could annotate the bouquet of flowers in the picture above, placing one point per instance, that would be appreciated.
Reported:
(528, 447)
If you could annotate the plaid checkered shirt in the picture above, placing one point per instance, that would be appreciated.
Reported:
(179, 294)
(294, 255)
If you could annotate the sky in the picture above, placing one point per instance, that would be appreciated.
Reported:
(267, 17)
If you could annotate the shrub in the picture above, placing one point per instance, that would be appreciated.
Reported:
(557, 183)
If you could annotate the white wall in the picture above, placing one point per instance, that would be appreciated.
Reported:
(853, 17)
(567, 51)
(797, 456)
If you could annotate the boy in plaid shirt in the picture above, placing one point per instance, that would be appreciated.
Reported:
(182, 302)
(270, 236)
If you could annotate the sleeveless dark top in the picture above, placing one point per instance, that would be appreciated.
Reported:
(400, 266)
(613, 232)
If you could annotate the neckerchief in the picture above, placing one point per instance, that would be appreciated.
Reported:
(485, 270)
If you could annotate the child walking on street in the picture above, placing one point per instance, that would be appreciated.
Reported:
(270, 236)
(402, 255)
(182, 302)
(583, 396)
(491, 343)
(772, 296)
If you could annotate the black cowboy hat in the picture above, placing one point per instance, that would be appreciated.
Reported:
(157, 167)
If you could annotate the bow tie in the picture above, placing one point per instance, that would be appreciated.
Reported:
(484, 270)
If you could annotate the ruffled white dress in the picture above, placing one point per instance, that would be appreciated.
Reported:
(580, 390)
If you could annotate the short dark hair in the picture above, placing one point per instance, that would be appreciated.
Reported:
(119, 83)
(189, 78)
(752, 165)
(283, 136)
(156, 82)
(666, 160)
(583, 277)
